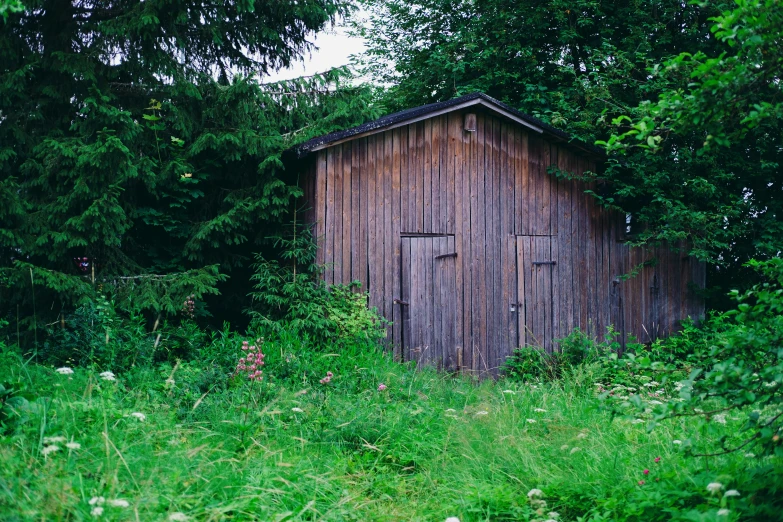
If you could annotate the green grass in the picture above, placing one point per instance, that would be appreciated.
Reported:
(429, 447)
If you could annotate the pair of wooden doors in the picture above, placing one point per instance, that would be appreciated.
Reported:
(430, 318)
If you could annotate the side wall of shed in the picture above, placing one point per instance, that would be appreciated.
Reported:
(491, 191)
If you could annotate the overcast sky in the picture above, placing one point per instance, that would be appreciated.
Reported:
(334, 49)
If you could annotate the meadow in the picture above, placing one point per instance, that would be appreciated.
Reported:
(348, 434)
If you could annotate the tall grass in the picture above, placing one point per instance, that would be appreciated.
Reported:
(428, 447)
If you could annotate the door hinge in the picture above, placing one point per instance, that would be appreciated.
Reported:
(399, 301)
(453, 254)
(544, 262)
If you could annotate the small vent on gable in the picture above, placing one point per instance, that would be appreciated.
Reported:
(470, 122)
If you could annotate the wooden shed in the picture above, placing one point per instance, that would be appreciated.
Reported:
(449, 216)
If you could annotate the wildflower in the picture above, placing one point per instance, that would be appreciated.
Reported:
(553, 514)
(451, 410)
(329, 374)
(170, 382)
(677, 442)
(452, 519)
(49, 449)
(54, 440)
(297, 410)
(139, 416)
(637, 421)
(581, 435)
(96, 511)
(641, 483)
(646, 471)
(655, 402)
(564, 447)
(720, 419)
(381, 387)
(178, 517)
(750, 455)
(510, 392)
(482, 412)
(723, 512)
(714, 487)
(250, 364)
(73, 445)
(118, 502)
(732, 493)
(64, 371)
(535, 493)
(97, 500)
(531, 421)
(540, 410)
(574, 450)
(108, 376)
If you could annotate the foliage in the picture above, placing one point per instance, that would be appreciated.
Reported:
(140, 150)
(290, 294)
(426, 447)
(702, 159)
(694, 86)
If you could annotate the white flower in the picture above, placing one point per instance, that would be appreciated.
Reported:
(676, 441)
(49, 449)
(97, 500)
(655, 402)
(64, 371)
(581, 435)
(531, 421)
(452, 519)
(73, 445)
(139, 416)
(297, 410)
(170, 382)
(96, 511)
(553, 514)
(564, 447)
(750, 455)
(637, 421)
(714, 487)
(512, 392)
(732, 493)
(53, 440)
(178, 517)
(108, 376)
(574, 450)
(118, 502)
(482, 412)
(535, 493)
(720, 418)
(540, 410)
(651, 384)
(723, 512)
(770, 384)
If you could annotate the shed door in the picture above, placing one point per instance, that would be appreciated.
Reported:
(536, 268)
(429, 283)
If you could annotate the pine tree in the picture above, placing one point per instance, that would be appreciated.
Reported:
(140, 152)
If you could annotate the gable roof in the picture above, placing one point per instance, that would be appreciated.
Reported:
(434, 109)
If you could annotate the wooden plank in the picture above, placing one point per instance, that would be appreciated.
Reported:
(419, 190)
(442, 124)
(355, 219)
(417, 299)
(546, 190)
(320, 205)
(405, 296)
(329, 228)
(506, 325)
(361, 152)
(398, 137)
(481, 181)
(522, 192)
(522, 282)
(345, 240)
(554, 281)
(373, 257)
(432, 344)
(451, 190)
(338, 214)
(437, 223)
(388, 240)
(565, 250)
(554, 187)
(438, 248)
(453, 345)
(531, 305)
(463, 281)
(427, 178)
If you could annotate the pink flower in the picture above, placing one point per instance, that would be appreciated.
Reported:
(329, 374)
(641, 483)
(326, 379)
(657, 459)
(646, 472)
(381, 387)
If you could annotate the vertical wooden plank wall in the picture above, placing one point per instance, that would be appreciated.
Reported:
(490, 195)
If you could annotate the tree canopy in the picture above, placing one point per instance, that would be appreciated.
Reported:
(141, 152)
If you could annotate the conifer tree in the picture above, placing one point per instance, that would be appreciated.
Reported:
(140, 152)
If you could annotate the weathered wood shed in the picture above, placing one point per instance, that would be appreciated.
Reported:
(448, 216)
